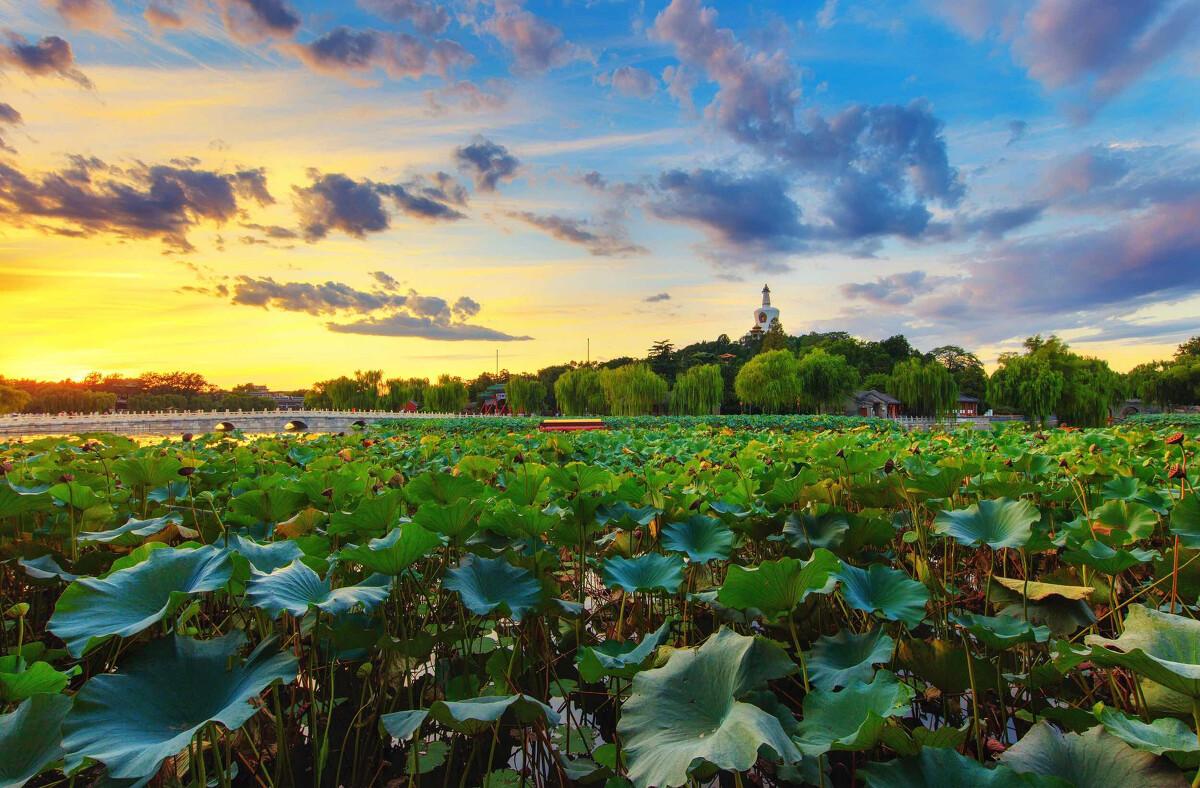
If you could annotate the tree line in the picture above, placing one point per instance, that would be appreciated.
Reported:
(97, 393)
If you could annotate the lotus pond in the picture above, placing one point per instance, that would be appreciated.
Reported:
(671, 602)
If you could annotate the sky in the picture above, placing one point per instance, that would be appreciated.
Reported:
(280, 191)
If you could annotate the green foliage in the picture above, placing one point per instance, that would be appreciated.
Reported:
(579, 392)
(825, 380)
(927, 388)
(525, 394)
(1027, 384)
(633, 390)
(1050, 379)
(448, 395)
(769, 382)
(12, 400)
(698, 391)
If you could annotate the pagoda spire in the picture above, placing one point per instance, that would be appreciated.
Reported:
(766, 296)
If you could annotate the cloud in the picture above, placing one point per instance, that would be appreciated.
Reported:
(1016, 132)
(468, 97)
(1082, 172)
(342, 52)
(381, 312)
(536, 45)
(487, 162)
(87, 14)
(657, 297)
(893, 290)
(163, 17)
(827, 15)
(607, 241)
(338, 202)
(405, 325)
(632, 81)
(8, 117)
(750, 218)
(272, 231)
(253, 21)
(876, 168)
(1095, 47)
(50, 56)
(994, 223)
(427, 17)
(162, 201)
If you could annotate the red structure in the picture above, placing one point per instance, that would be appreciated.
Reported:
(571, 425)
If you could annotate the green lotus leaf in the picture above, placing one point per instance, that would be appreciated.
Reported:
(264, 557)
(806, 531)
(458, 520)
(35, 678)
(29, 738)
(488, 585)
(133, 532)
(392, 554)
(702, 538)
(14, 503)
(375, 514)
(1185, 521)
(1109, 560)
(690, 712)
(44, 567)
(472, 715)
(881, 589)
(1165, 736)
(163, 694)
(76, 495)
(518, 521)
(851, 718)
(1000, 632)
(1128, 521)
(776, 587)
(271, 505)
(622, 515)
(1159, 646)
(846, 658)
(296, 588)
(581, 477)
(442, 488)
(941, 766)
(649, 572)
(997, 523)
(1037, 591)
(147, 470)
(129, 600)
(617, 658)
(945, 664)
(1093, 759)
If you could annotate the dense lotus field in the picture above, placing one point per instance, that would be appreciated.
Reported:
(751, 602)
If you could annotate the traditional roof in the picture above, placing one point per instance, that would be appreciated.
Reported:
(872, 395)
(965, 398)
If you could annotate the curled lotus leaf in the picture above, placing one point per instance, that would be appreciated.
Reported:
(134, 531)
(129, 600)
(165, 692)
(262, 556)
(1001, 632)
(649, 572)
(30, 738)
(775, 588)
(851, 718)
(881, 589)
(620, 658)
(1164, 736)
(845, 658)
(1162, 647)
(701, 538)
(691, 712)
(296, 588)
(472, 715)
(487, 585)
(943, 766)
(1092, 759)
(392, 554)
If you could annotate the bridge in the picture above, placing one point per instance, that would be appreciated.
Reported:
(200, 421)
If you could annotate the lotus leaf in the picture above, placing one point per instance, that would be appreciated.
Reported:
(163, 694)
(941, 766)
(1109, 560)
(846, 658)
(264, 557)
(472, 715)
(775, 588)
(392, 554)
(1000, 632)
(649, 572)
(688, 713)
(851, 718)
(133, 532)
(1093, 759)
(488, 585)
(805, 531)
(881, 589)
(130, 600)
(996, 523)
(29, 738)
(296, 588)
(616, 658)
(702, 538)
(1165, 736)
(1185, 521)
(1162, 647)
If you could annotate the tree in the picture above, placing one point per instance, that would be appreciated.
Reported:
(579, 392)
(448, 395)
(662, 359)
(877, 381)
(525, 394)
(698, 391)
(925, 387)
(769, 382)
(1191, 348)
(825, 381)
(401, 391)
(775, 338)
(1027, 383)
(13, 400)
(967, 370)
(633, 390)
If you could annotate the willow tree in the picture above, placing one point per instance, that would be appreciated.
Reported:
(401, 391)
(768, 382)
(927, 388)
(1027, 384)
(698, 391)
(825, 381)
(579, 392)
(448, 395)
(13, 400)
(633, 390)
(525, 394)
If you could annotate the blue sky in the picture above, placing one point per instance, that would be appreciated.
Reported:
(424, 182)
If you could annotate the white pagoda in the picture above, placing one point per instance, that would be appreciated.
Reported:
(766, 315)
